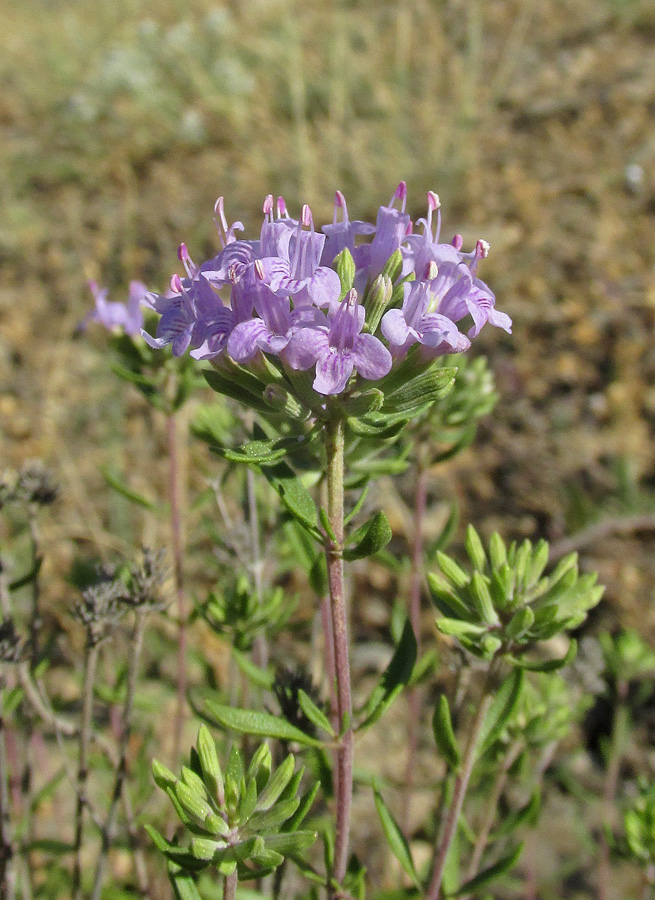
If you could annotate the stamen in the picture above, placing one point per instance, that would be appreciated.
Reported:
(458, 242)
(400, 194)
(482, 249)
(282, 209)
(259, 269)
(176, 284)
(340, 203)
(433, 201)
(306, 217)
(189, 265)
(431, 271)
(268, 205)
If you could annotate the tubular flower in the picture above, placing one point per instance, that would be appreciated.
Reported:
(281, 295)
(339, 350)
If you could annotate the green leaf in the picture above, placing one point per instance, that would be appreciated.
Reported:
(29, 577)
(395, 838)
(116, 481)
(184, 886)
(260, 677)
(504, 865)
(501, 709)
(271, 819)
(172, 851)
(290, 843)
(376, 535)
(314, 714)
(444, 734)
(163, 776)
(306, 802)
(520, 623)
(250, 396)
(262, 724)
(394, 678)
(278, 781)
(475, 549)
(294, 495)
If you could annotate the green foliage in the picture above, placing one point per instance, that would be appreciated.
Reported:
(237, 613)
(639, 825)
(627, 657)
(504, 604)
(244, 820)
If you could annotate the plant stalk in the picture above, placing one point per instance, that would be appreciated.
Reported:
(177, 542)
(414, 698)
(136, 646)
(334, 446)
(89, 677)
(230, 886)
(461, 786)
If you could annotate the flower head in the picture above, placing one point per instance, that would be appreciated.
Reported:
(113, 314)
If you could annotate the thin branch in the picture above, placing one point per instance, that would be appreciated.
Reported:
(177, 538)
(107, 836)
(619, 525)
(88, 683)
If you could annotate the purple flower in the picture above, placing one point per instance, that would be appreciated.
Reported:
(390, 231)
(113, 314)
(273, 327)
(191, 313)
(339, 350)
(422, 318)
(341, 235)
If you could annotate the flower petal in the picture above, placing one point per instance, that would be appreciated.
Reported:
(246, 339)
(394, 327)
(372, 359)
(333, 369)
(305, 347)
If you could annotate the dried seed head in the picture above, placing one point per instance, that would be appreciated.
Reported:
(147, 580)
(11, 646)
(36, 485)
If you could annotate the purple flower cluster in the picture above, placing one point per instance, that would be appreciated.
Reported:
(281, 294)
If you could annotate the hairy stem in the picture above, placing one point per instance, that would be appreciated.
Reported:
(136, 645)
(89, 677)
(177, 542)
(461, 786)
(617, 747)
(334, 445)
(414, 698)
(230, 886)
(260, 648)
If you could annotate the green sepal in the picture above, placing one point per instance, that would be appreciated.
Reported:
(211, 767)
(272, 819)
(344, 265)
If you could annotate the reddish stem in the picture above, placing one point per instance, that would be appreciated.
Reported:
(177, 539)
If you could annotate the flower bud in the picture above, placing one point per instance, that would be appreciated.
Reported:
(377, 300)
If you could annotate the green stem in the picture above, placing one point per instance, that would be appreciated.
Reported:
(334, 446)
(7, 875)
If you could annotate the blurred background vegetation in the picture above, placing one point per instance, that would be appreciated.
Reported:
(122, 123)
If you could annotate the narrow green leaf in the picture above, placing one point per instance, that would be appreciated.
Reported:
(184, 887)
(116, 481)
(255, 674)
(376, 536)
(475, 549)
(394, 678)
(290, 843)
(306, 802)
(395, 838)
(293, 494)
(247, 721)
(504, 865)
(501, 709)
(313, 713)
(444, 734)
(272, 818)
(279, 780)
